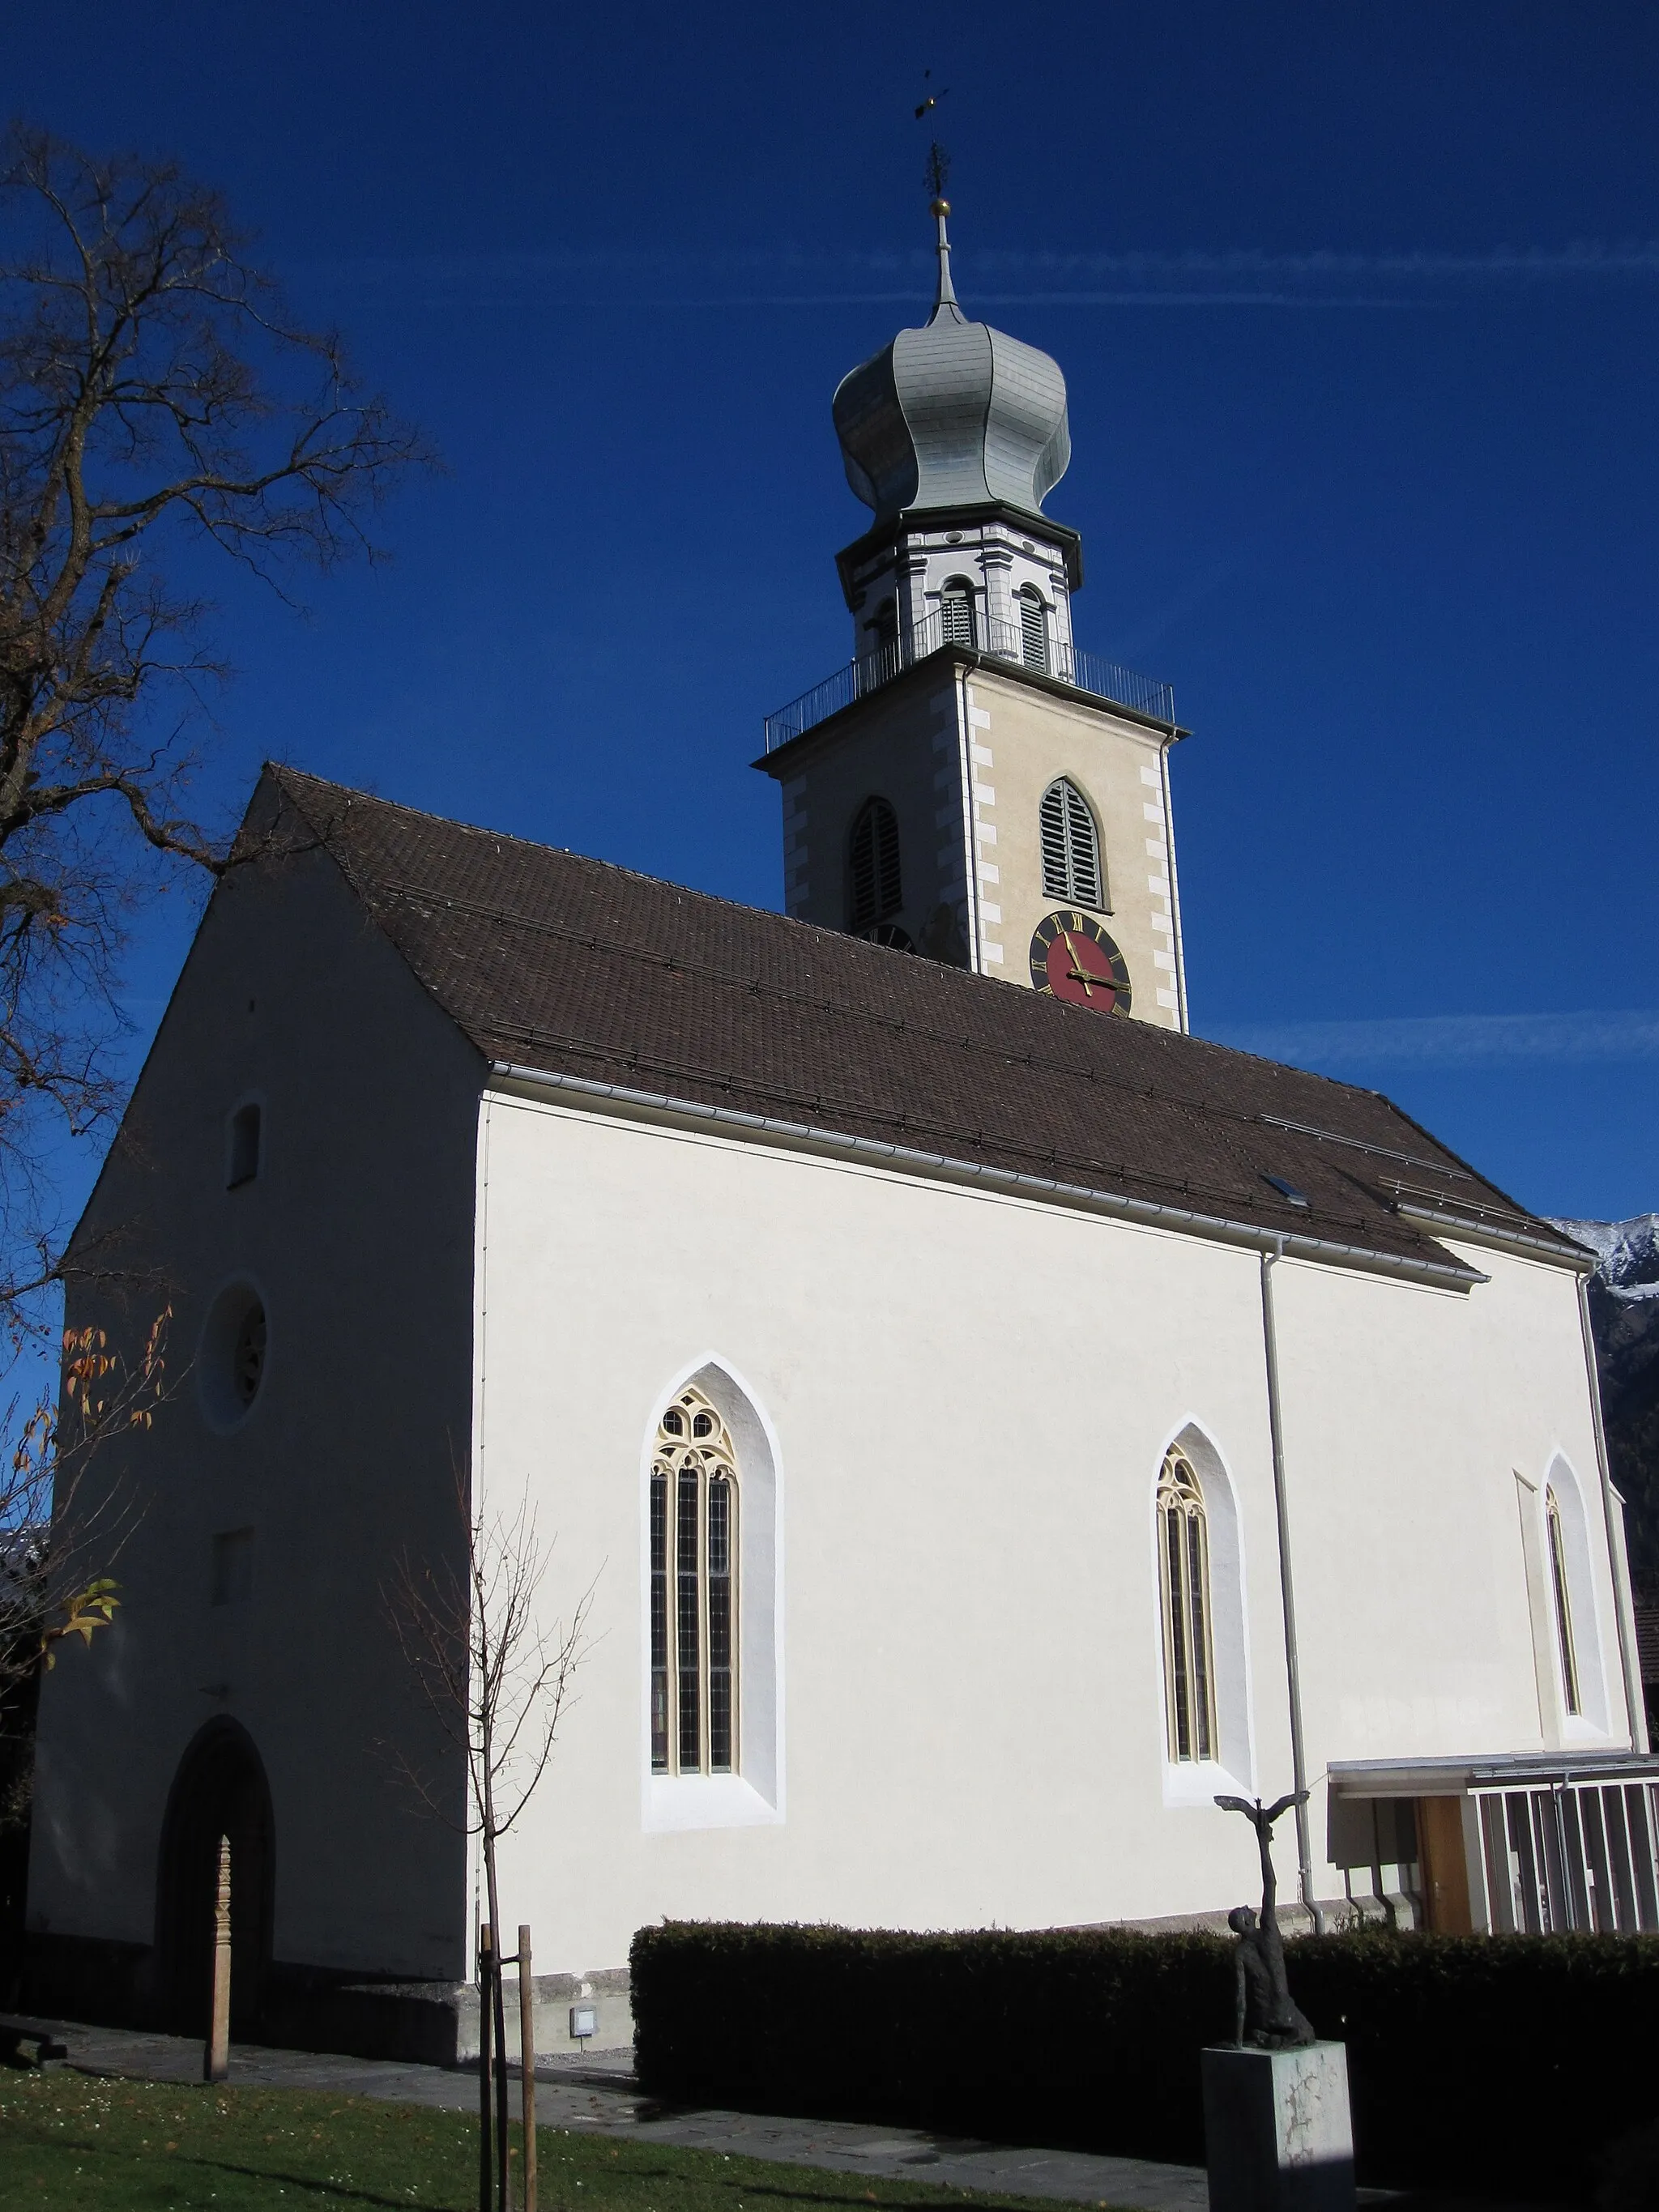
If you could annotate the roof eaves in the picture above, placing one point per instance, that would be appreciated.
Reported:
(1479, 1227)
(1447, 1273)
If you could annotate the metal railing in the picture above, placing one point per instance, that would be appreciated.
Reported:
(1083, 671)
(1572, 1857)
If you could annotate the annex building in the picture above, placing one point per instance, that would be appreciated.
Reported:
(991, 1420)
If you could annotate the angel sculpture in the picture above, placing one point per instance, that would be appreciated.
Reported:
(1266, 2014)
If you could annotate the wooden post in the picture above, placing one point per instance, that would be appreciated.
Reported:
(527, 2067)
(486, 2022)
(218, 2049)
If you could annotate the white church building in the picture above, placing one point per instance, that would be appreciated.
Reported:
(991, 1421)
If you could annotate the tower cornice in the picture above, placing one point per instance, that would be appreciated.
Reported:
(912, 522)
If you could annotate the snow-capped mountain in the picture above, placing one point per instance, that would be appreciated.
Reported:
(1623, 1298)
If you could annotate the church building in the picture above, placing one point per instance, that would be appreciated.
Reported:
(990, 1420)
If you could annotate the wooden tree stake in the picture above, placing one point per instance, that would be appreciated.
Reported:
(218, 2050)
(486, 2018)
(527, 2067)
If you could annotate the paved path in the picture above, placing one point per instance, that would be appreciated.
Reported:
(598, 2092)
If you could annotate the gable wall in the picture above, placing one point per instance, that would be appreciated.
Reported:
(357, 1233)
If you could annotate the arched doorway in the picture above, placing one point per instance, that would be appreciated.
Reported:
(220, 1789)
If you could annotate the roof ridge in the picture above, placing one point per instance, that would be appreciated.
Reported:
(839, 939)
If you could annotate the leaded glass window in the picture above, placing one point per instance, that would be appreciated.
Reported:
(1071, 848)
(1563, 1601)
(1184, 1574)
(694, 1556)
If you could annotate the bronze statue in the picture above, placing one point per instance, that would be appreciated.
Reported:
(1265, 2013)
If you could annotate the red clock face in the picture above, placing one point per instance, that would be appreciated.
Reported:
(1073, 958)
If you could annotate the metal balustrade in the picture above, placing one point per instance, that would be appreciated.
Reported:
(1000, 640)
(1572, 1857)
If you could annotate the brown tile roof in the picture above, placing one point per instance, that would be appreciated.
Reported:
(577, 968)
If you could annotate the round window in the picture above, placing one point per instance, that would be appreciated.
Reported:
(231, 1366)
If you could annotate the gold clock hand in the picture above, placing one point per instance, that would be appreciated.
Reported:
(1078, 970)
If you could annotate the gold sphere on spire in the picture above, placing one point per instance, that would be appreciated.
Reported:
(940, 207)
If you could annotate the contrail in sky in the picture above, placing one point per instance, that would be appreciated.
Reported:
(1453, 1040)
(780, 277)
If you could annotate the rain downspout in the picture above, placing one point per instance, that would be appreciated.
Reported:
(1287, 1595)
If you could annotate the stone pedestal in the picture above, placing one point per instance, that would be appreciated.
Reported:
(1277, 2133)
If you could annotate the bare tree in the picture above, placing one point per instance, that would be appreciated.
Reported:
(497, 1679)
(158, 404)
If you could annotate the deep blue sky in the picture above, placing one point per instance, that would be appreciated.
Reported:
(1359, 312)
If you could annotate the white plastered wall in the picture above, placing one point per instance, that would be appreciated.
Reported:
(969, 1395)
(357, 1233)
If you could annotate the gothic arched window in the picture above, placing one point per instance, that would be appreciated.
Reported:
(1183, 1555)
(956, 606)
(1071, 848)
(874, 891)
(693, 1594)
(1033, 629)
(1563, 1601)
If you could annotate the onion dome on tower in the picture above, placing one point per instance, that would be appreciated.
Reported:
(953, 414)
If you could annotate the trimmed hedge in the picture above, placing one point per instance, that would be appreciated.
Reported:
(1505, 2062)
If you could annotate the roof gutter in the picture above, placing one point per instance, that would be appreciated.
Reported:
(1582, 1263)
(1447, 1274)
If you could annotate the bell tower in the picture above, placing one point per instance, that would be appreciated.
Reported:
(973, 786)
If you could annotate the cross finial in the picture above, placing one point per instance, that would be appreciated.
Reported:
(938, 169)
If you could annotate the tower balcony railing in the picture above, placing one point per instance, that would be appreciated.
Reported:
(1000, 640)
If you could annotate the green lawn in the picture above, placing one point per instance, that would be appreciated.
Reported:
(72, 2144)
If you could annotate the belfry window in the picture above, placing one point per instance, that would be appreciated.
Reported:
(1071, 848)
(956, 607)
(1033, 629)
(694, 1592)
(874, 891)
(1183, 1556)
(1563, 1602)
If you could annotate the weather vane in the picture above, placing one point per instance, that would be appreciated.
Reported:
(938, 173)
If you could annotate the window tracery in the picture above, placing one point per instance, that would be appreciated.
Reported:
(694, 1592)
(1184, 1576)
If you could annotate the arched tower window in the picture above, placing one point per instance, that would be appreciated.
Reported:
(694, 1593)
(1558, 1584)
(956, 607)
(242, 1164)
(1071, 847)
(1033, 629)
(1184, 1554)
(875, 892)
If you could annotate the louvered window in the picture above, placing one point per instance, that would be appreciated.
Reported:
(875, 893)
(1033, 630)
(1071, 848)
(694, 1550)
(956, 607)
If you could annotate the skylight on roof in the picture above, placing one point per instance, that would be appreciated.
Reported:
(1288, 1190)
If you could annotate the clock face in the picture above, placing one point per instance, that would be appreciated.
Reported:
(1072, 958)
